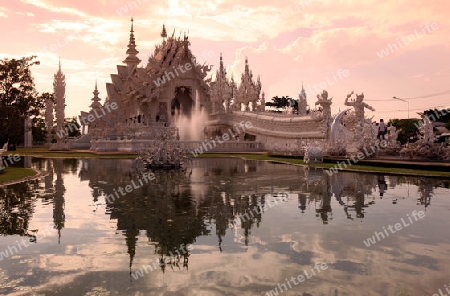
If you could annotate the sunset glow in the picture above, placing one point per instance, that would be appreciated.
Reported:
(387, 48)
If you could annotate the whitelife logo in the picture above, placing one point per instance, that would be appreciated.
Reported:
(225, 137)
(398, 226)
(406, 40)
(187, 67)
(90, 118)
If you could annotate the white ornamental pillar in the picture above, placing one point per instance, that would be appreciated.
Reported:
(28, 139)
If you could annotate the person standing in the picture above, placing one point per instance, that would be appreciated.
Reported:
(382, 185)
(381, 129)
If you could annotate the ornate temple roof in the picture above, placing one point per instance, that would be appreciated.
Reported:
(172, 51)
(132, 59)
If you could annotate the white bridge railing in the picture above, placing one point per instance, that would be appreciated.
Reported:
(228, 146)
(135, 145)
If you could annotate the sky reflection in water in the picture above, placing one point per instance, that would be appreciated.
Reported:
(92, 247)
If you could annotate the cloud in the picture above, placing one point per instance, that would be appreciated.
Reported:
(286, 43)
(44, 5)
(24, 13)
(3, 12)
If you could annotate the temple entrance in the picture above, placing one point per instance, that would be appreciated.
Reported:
(182, 103)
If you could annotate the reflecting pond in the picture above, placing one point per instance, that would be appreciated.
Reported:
(223, 226)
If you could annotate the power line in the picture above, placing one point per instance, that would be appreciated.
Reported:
(415, 98)
(379, 100)
(430, 95)
(417, 109)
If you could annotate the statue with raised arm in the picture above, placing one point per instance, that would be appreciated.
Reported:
(325, 103)
(358, 105)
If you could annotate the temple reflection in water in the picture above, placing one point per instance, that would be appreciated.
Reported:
(205, 199)
(17, 201)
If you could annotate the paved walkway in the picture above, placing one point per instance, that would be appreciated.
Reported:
(437, 166)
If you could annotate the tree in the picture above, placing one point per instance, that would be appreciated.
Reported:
(447, 125)
(69, 126)
(11, 125)
(283, 102)
(438, 115)
(39, 131)
(408, 128)
(18, 97)
(39, 126)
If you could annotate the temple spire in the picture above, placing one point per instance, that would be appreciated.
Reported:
(164, 32)
(132, 59)
(96, 92)
(246, 65)
(96, 100)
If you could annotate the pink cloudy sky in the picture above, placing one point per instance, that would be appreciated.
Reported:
(286, 43)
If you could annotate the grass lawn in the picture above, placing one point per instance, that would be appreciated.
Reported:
(13, 174)
(44, 152)
(367, 168)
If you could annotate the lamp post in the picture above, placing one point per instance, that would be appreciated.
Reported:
(403, 101)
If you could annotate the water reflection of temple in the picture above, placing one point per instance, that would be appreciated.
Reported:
(426, 191)
(175, 209)
(59, 217)
(16, 209)
(179, 206)
(54, 190)
(350, 193)
(17, 200)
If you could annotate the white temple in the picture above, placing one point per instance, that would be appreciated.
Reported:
(59, 90)
(173, 84)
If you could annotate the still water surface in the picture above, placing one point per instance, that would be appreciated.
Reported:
(234, 227)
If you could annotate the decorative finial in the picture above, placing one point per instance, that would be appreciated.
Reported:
(132, 59)
(59, 64)
(96, 92)
(164, 32)
(247, 70)
(95, 100)
(221, 63)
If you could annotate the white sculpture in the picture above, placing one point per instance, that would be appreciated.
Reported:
(336, 127)
(49, 105)
(302, 103)
(313, 154)
(393, 136)
(359, 106)
(2, 151)
(425, 147)
(28, 138)
(163, 152)
(248, 91)
(59, 88)
(221, 90)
